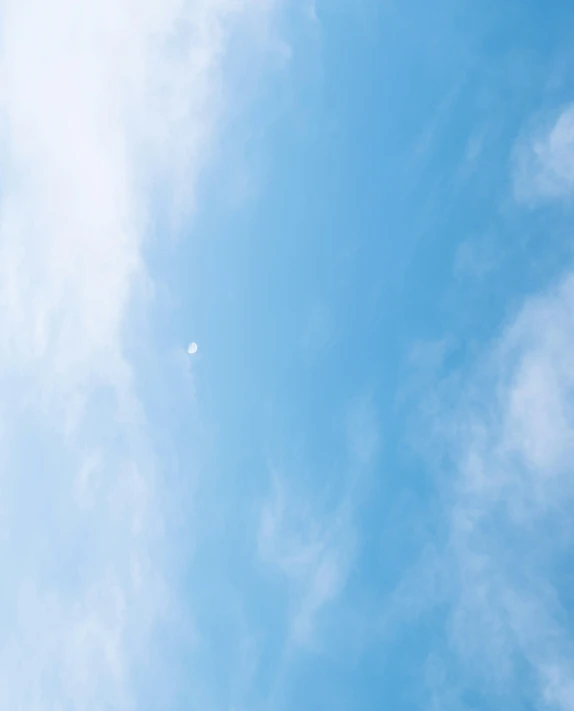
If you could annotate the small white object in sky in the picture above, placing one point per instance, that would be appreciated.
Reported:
(192, 348)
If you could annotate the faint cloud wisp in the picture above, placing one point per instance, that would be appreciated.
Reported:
(311, 552)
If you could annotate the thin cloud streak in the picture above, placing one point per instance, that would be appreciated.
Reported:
(311, 551)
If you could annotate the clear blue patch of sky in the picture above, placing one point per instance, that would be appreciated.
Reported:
(382, 216)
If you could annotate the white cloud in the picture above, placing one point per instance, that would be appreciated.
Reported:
(511, 515)
(103, 106)
(544, 162)
(512, 445)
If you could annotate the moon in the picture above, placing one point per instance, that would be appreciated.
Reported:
(192, 348)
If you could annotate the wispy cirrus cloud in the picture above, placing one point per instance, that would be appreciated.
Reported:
(310, 543)
(103, 107)
(311, 551)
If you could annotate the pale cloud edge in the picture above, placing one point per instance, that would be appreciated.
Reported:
(100, 104)
(544, 159)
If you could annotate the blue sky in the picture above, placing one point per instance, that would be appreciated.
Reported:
(357, 493)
